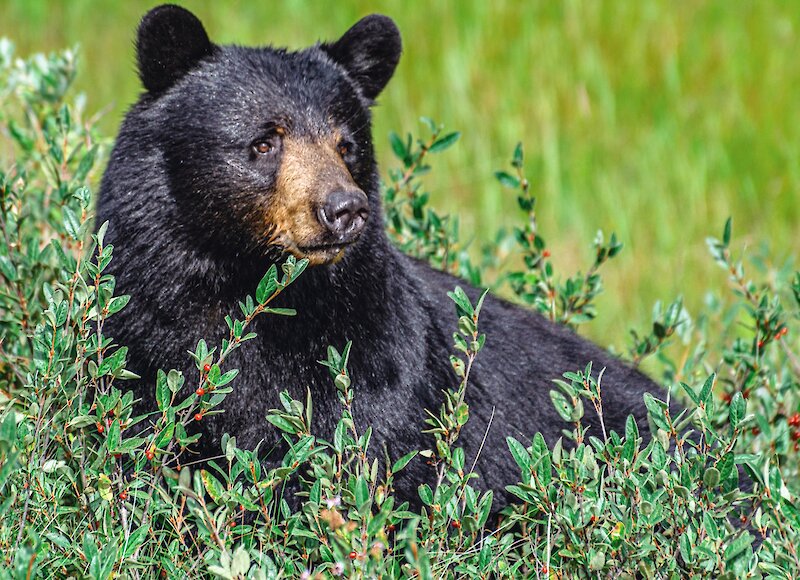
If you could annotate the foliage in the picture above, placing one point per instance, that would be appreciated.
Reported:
(88, 489)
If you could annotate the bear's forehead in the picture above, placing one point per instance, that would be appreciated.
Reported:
(306, 74)
(247, 85)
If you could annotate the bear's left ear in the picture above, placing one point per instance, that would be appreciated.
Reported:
(171, 42)
(369, 51)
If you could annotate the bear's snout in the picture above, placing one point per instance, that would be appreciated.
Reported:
(344, 213)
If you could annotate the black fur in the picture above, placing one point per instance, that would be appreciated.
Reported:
(171, 41)
(179, 194)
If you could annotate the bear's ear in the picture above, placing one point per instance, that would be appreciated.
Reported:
(171, 41)
(369, 51)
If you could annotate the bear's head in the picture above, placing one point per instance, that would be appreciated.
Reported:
(266, 150)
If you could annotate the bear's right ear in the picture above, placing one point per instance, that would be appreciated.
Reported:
(369, 51)
(170, 43)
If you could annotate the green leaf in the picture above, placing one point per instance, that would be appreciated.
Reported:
(104, 487)
(520, 455)
(268, 284)
(656, 410)
(71, 223)
(114, 437)
(706, 391)
(692, 395)
(738, 547)
(711, 477)
(117, 303)
(175, 380)
(212, 485)
(563, 407)
(281, 311)
(726, 234)
(81, 421)
(507, 179)
(135, 540)
(444, 142)
(736, 410)
(398, 146)
(226, 378)
(162, 390)
(425, 494)
(403, 461)
(361, 493)
(463, 305)
(281, 423)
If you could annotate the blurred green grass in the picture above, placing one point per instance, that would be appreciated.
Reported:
(653, 119)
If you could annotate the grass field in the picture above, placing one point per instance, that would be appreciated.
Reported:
(656, 120)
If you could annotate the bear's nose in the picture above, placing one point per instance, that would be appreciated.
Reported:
(344, 213)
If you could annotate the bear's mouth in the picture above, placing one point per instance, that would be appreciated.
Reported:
(323, 248)
(320, 254)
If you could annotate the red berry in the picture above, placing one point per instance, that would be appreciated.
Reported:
(100, 427)
(123, 495)
(353, 555)
(456, 524)
(796, 435)
(546, 254)
(727, 397)
(391, 527)
(755, 430)
(206, 368)
(200, 391)
(794, 420)
(149, 454)
(198, 416)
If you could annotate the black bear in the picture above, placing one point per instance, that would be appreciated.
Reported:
(235, 157)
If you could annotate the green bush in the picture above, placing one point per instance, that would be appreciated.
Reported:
(87, 489)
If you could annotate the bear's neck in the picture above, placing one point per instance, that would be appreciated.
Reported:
(334, 302)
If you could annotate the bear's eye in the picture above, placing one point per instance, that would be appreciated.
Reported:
(345, 148)
(265, 146)
(270, 143)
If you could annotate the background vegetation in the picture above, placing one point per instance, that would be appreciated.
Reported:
(89, 489)
(651, 119)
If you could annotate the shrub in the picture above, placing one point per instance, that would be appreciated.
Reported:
(87, 489)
